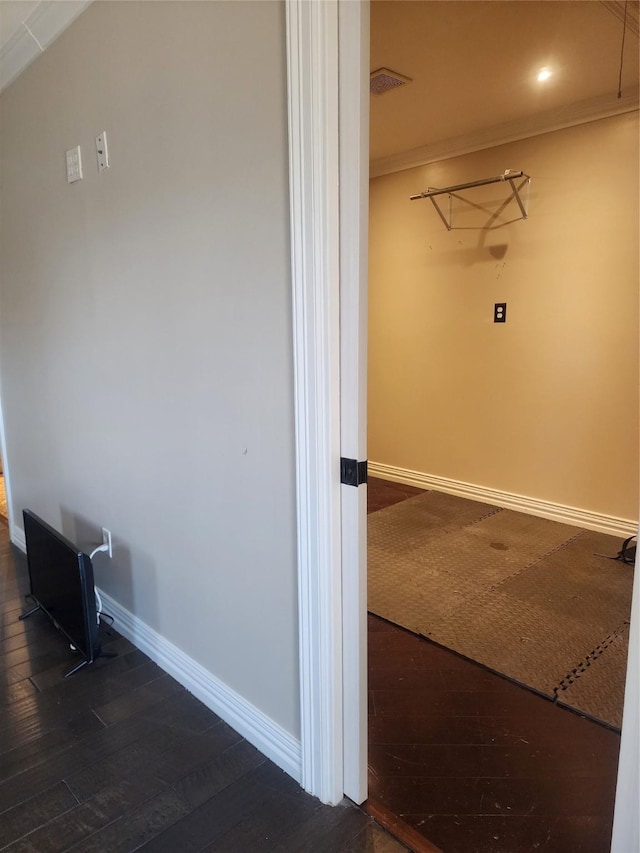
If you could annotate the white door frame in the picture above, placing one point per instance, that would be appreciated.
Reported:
(320, 34)
(312, 71)
(329, 212)
(626, 814)
(353, 64)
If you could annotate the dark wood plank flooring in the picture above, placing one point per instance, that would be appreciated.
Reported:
(471, 761)
(120, 757)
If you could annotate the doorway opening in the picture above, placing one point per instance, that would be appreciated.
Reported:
(502, 411)
(4, 515)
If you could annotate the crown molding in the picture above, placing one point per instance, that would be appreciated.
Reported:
(578, 113)
(39, 29)
(617, 8)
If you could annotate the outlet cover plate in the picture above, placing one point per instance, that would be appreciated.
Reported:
(102, 151)
(500, 312)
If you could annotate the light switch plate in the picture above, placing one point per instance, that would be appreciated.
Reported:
(74, 165)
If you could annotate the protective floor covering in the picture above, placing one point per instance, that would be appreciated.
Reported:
(524, 596)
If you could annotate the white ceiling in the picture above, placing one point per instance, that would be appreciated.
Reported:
(27, 28)
(12, 14)
(473, 64)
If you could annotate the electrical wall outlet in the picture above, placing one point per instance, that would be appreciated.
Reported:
(106, 540)
(500, 312)
(102, 151)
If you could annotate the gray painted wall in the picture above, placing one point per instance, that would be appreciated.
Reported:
(146, 355)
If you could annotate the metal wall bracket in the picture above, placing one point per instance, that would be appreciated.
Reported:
(508, 176)
(352, 472)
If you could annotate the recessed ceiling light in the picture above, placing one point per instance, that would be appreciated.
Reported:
(544, 74)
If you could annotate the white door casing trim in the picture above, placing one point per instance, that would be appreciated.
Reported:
(354, 220)
(312, 58)
(626, 816)
(312, 73)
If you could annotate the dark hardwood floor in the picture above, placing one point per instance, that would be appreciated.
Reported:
(472, 762)
(120, 757)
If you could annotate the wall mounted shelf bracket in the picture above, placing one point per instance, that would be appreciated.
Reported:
(508, 176)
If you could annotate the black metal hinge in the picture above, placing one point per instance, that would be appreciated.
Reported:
(352, 472)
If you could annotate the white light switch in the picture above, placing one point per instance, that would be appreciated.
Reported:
(74, 165)
(102, 151)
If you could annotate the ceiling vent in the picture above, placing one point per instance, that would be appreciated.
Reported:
(383, 80)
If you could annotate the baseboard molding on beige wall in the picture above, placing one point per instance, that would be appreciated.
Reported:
(622, 527)
(16, 534)
(259, 729)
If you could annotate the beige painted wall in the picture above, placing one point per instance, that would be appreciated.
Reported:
(546, 405)
(146, 353)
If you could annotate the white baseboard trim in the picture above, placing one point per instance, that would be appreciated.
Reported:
(259, 729)
(265, 734)
(621, 527)
(16, 534)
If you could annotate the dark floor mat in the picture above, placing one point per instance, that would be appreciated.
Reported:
(522, 595)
